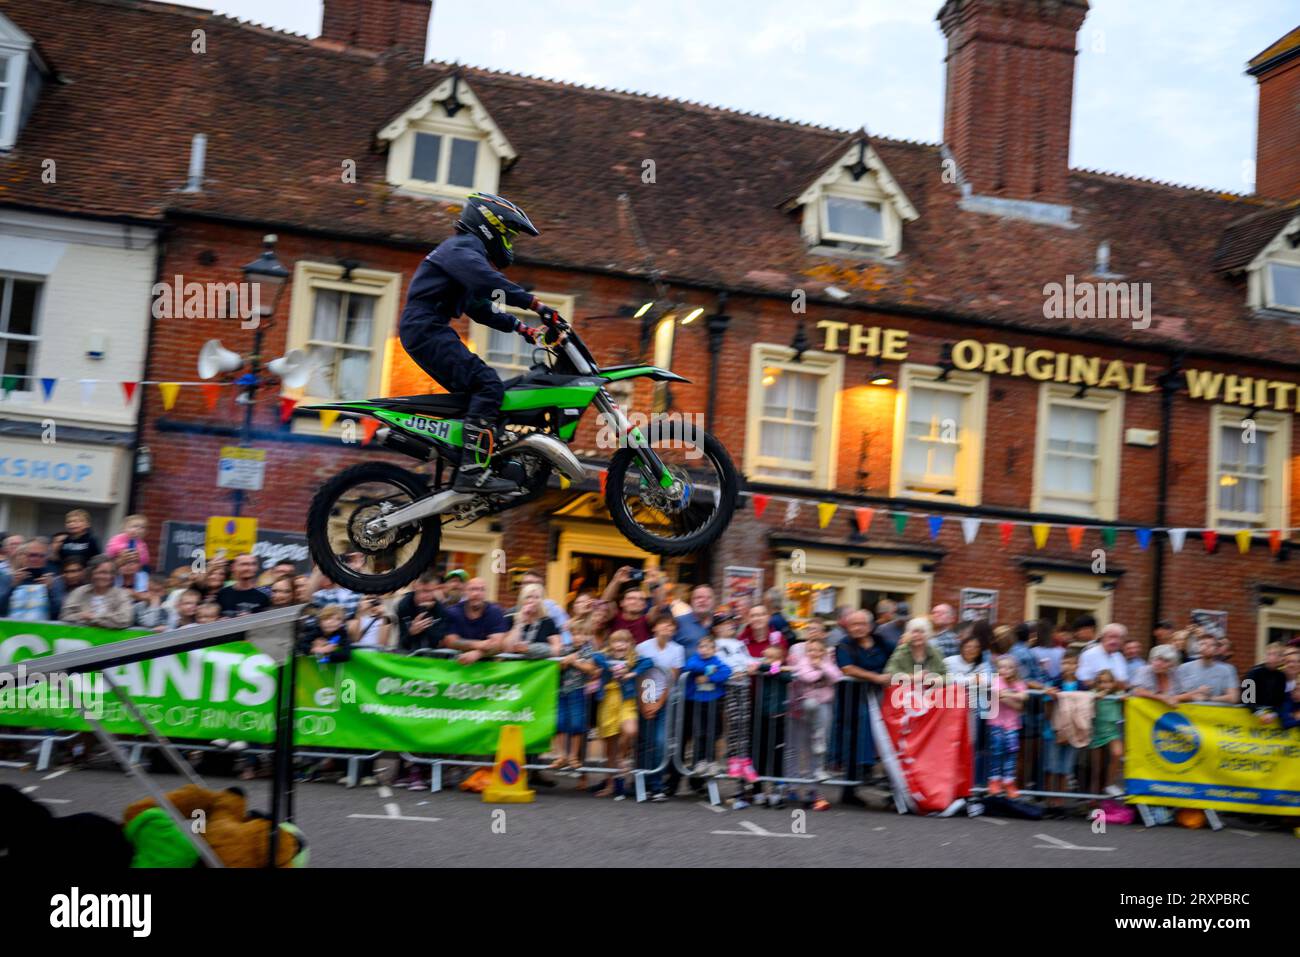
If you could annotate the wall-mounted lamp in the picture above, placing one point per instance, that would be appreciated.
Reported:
(800, 343)
(879, 376)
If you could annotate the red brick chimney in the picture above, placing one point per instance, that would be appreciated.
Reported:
(1277, 139)
(1010, 84)
(377, 25)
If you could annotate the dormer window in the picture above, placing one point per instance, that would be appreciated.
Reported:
(855, 206)
(20, 80)
(446, 144)
(1282, 285)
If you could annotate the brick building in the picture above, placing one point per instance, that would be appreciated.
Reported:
(950, 344)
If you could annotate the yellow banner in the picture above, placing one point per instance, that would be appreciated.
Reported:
(228, 536)
(1217, 757)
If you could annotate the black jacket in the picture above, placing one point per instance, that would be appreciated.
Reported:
(1264, 687)
(456, 278)
(408, 611)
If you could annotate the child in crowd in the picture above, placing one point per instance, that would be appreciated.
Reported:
(1107, 741)
(152, 612)
(331, 644)
(706, 684)
(208, 612)
(617, 716)
(812, 698)
(577, 668)
(1069, 730)
(187, 606)
(131, 537)
(739, 702)
(80, 542)
(1003, 725)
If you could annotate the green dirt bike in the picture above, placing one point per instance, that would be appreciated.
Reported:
(672, 492)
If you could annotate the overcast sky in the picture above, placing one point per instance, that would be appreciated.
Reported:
(1160, 90)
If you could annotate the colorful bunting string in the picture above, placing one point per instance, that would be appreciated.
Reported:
(824, 512)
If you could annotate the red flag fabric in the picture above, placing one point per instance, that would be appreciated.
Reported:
(863, 517)
(1005, 529)
(211, 392)
(1274, 540)
(1211, 539)
(603, 476)
(924, 739)
(1075, 534)
(287, 404)
(129, 389)
(760, 504)
(368, 429)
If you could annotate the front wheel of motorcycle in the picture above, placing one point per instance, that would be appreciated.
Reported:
(688, 514)
(350, 556)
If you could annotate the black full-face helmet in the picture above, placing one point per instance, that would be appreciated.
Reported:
(496, 222)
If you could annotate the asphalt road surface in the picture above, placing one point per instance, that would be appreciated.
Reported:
(393, 827)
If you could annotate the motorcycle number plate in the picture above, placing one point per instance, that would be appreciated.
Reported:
(438, 428)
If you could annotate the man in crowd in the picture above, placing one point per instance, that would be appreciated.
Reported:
(942, 617)
(1162, 632)
(1085, 631)
(1134, 654)
(1263, 690)
(695, 622)
(421, 618)
(631, 606)
(476, 627)
(840, 631)
(863, 656)
(30, 592)
(453, 587)
(779, 622)
(1106, 654)
(9, 545)
(331, 593)
(889, 626)
(242, 596)
(131, 574)
(1216, 680)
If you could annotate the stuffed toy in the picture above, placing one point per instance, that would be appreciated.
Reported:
(239, 837)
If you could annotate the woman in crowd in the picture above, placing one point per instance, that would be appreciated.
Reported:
(970, 659)
(1159, 678)
(100, 604)
(282, 593)
(370, 627)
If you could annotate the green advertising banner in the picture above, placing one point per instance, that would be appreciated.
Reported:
(376, 701)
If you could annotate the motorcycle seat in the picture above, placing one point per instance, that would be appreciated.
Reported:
(437, 405)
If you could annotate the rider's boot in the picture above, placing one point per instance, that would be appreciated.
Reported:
(474, 476)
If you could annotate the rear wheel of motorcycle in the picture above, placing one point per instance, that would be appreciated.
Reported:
(335, 529)
(693, 455)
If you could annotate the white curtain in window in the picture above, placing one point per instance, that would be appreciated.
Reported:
(1073, 437)
(933, 427)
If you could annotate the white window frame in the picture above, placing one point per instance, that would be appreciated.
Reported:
(26, 387)
(385, 286)
(1277, 476)
(830, 367)
(16, 46)
(875, 185)
(429, 115)
(1270, 299)
(480, 335)
(886, 213)
(1071, 590)
(970, 458)
(1259, 277)
(1110, 404)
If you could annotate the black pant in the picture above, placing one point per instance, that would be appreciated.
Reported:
(437, 350)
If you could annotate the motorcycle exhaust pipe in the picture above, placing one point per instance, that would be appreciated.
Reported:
(404, 443)
(434, 504)
(554, 451)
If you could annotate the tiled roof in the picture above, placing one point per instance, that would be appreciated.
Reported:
(1243, 240)
(282, 113)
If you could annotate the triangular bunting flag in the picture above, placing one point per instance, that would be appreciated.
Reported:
(169, 392)
(328, 418)
(760, 504)
(1274, 540)
(370, 426)
(1143, 536)
(1108, 537)
(970, 527)
(1075, 534)
(792, 509)
(1211, 538)
(1243, 540)
(128, 389)
(604, 477)
(1041, 532)
(824, 512)
(935, 522)
(87, 390)
(1176, 538)
(1004, 530)
(564, 479)
(287, 404)
(900, 522)
(211, 393)
(863, 517)
(9, 383)
(47, 386)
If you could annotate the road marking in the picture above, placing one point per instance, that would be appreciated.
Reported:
(54, 800)
(991, 820)
(30, 788)
(385, 791)
(1056, 844)
(14, 764)
(392, 809)
(1243, 833)
(878, 828)
(391, 817)
(708, 806)
(55, 774)
(753, 830)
